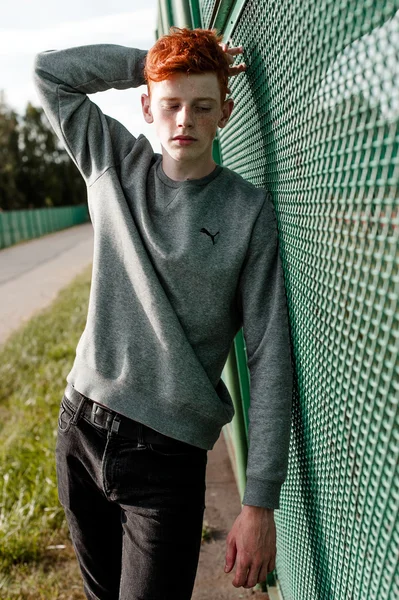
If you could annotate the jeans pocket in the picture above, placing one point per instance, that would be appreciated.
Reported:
(177, 449)
(65, 415)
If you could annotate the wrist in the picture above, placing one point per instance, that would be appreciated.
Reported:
(261, 509)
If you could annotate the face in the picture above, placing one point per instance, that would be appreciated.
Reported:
(186, 106)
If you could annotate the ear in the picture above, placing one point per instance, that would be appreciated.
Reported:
(226, 112)
(146, 108)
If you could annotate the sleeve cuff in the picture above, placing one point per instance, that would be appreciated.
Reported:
(143, 56)
(261, 492)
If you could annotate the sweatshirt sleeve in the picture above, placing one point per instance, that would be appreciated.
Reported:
(264, 312)
(62, 78)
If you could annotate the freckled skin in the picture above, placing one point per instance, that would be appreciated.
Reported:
(175, 109)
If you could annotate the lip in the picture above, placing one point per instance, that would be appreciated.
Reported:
(184, 137)
(184, 141)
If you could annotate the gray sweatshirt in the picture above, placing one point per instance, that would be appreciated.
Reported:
(178, 268)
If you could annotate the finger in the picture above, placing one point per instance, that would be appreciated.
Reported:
(240, 575)
(263, 573)
(253, 575)
(272, 564)
(231, 552)
(236, 50)
(238, 69)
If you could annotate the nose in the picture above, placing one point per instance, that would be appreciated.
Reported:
(184, 117)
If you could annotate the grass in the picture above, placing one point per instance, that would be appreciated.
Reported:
(34, 363)
(206, 532)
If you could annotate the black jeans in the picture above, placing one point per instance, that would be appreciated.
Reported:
(134, 509)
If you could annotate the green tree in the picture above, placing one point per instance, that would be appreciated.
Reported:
(35, 169)
(10, 195)
(47, 176)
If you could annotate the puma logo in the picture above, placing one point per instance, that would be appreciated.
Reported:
(203, 230)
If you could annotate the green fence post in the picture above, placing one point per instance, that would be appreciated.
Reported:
(2, 240)
(14, 228)
(29, 224)
(181, 13)
(195, 14)
(234, 432)
(166, 15)
(233, 372)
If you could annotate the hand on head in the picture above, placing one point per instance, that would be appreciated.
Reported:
(231, 53)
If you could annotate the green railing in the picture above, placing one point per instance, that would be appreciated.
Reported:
(316, 122)
(19, 225)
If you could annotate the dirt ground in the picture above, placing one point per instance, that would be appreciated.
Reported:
(222, 508)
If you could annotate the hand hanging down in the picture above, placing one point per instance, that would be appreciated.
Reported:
(251, 544)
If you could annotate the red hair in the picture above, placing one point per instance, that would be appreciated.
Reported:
(188, 51)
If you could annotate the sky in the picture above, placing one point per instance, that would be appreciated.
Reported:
(31, 26)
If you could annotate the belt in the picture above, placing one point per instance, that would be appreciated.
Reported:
(111, 420)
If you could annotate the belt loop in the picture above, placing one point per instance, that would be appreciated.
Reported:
(115, 424)
(140, 434)
(78, 410)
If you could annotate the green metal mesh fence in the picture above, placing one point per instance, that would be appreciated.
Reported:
(19, 225)
(316, 121)
(206, 8)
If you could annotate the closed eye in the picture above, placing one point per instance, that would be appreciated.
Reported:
(200, 108)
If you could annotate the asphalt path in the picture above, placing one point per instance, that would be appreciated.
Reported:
(33, 272)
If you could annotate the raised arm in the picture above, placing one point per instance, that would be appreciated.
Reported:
(63, 78)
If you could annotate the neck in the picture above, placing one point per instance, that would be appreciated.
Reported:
(181, 171)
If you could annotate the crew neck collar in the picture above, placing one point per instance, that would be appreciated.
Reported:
(176, 184)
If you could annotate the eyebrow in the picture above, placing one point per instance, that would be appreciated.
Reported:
(207, 98)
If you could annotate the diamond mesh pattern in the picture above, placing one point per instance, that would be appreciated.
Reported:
(206, 7)
(316, 122)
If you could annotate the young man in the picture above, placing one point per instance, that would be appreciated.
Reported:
(185, 253)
